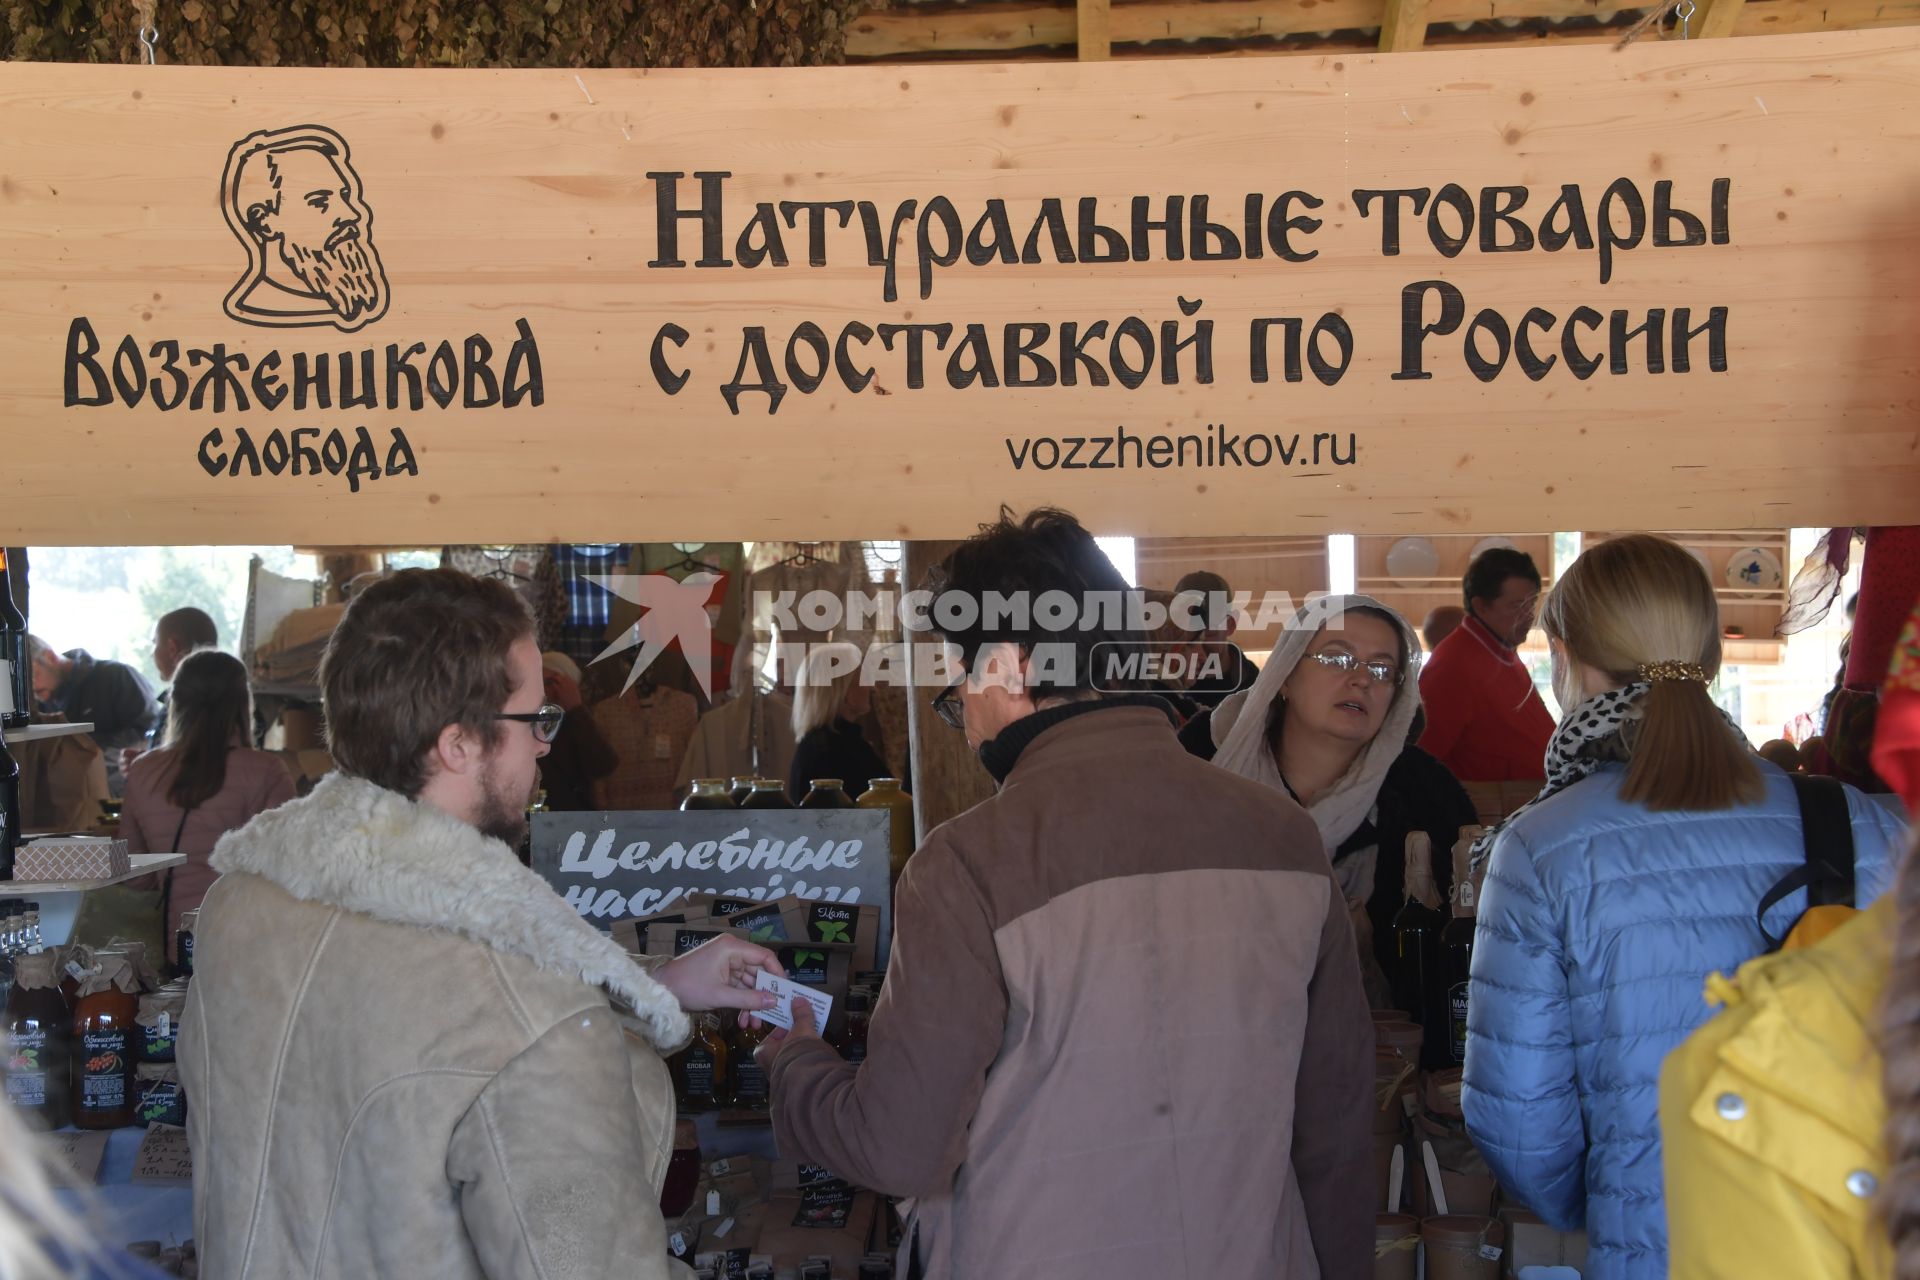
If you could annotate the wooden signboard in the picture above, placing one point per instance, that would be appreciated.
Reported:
(1533, 289)
(613, 866)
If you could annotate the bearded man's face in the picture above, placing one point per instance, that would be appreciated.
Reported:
(320, 228)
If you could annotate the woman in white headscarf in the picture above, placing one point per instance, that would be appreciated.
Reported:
(1331, 722)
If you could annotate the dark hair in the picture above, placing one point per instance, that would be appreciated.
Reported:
(416, 652)
(191, 627)
(1215, 609)
(211, 706)
(1046, 551)
(1487, 576)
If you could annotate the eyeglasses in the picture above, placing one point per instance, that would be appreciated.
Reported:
(545, 721)
(947, 703)
(1346, 663)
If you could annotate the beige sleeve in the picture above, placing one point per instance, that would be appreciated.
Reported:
(552, 1165)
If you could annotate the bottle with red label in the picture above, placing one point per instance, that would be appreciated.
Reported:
(106, 1044)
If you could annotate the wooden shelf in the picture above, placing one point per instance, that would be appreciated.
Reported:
(36, 732)
(1755, 610)
(144, 864)
(1257, 566)
(1415, 597)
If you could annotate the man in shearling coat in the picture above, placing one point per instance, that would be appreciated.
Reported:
(399, 1051)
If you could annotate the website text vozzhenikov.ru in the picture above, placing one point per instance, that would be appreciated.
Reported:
(1214, 448)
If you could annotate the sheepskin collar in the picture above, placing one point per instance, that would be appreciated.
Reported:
(361, 848)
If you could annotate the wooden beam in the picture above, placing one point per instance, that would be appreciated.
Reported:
(1094, 31)
(1403, 26)
(1717, 18)
(948, 778)
(1025, 27)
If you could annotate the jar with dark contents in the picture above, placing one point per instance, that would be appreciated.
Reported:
(106, 1044)
(827, 793)
(708, 793)
(768, 793)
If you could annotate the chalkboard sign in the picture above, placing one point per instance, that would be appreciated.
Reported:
(614, 866)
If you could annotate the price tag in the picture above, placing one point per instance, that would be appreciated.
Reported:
(1490, 1252)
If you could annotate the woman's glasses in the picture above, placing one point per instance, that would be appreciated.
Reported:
(545, 721)
(1345, 663)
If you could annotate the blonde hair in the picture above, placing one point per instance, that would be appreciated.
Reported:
(1640, 599)
(818, 693)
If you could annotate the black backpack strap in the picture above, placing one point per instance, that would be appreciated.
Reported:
(1826, 831)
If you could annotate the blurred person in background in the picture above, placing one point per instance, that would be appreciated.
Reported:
(111, 696)
(176, 635)
(203, 781)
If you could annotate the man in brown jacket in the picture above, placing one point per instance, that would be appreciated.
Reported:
(1123, 1033)
(399, 1049)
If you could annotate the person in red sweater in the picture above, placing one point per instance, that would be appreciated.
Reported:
(1485, 720)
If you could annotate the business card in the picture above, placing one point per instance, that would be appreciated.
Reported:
(782, 1015)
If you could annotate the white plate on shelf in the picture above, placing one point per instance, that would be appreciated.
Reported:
(1485, 545)
(1412, 558)
(1754, 569)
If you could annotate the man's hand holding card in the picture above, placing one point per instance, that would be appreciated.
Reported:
(799, 1014)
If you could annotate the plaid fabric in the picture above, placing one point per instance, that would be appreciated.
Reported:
(589, 606)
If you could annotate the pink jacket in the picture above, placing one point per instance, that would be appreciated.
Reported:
(256, 781)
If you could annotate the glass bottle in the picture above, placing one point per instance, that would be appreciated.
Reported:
(106, 1033)
(38, 1042)
(10, 817)
(885, 793)
(1456, 968)
(853, 1032)
(750, 1090)
(768, 793)
(183, 941)
(826, 793)
(30, 941)
(708, 793)
(741, 789)
(9, 952)
(1416, 978)
(700, 1070)
(16, 672)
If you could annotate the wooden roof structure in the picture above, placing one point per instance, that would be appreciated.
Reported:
(1093, 30)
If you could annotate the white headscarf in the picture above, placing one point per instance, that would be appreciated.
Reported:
(1240, 730)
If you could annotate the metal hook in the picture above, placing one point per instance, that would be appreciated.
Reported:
(1685, 11)
(149, 37)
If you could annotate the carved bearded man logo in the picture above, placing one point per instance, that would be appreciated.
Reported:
(293, 199)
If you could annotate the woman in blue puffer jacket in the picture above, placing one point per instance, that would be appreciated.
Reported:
(1612, 896)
